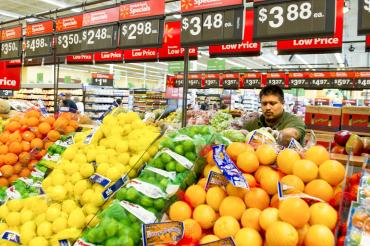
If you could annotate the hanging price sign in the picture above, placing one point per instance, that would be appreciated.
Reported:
(362, 80)
(276, 79)
(100, 79)
(68, 39)
(364, 16)
(10, 42)
(343, 80)
(195, 81)
(320, 80)
(231, 81)
(279, 20)
(212, 81)
(179, 80)
(39, 39)
(298, 80)
(252, 80)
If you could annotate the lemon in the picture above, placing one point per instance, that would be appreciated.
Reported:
(76, 218)
(58, 193)
(102, 169)
(123, 169)
(58, 178)
(87, 196)
(91, 155)
(15, 205)
(81, 186)
(86, 170)
(69, 187)
(39, 207)
(122, 146)
(47, 183)
(92, 220)
(44, 229)
(13, 219)
(101, 158)
(96, 199)
(70, 168)
(98, 188)
(153, 150)
(110, 152)
(26, 236)
(126, 130)
(40, 218)
(68, 154)
(29, 226)
(3, 211)
(59, 224)
(52, 213)
(79, 158)
(75, 178)
(135, 160)
(124, 158)
(113, 174)
(132, 173)
(89, 208)
(3, 227)
(64, 215)
(68, 206)
(39, 241)
(26, 215)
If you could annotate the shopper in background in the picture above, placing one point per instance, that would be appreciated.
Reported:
(80, 105)
(118, 102)
(205, 104)
(69, 103)
(283, 125)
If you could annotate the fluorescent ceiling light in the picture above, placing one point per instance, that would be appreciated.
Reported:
(73, 69)
(136, 69)
(235, 64)
(60, 4)
(339, 58)
(299, 57)
(177, 16)
(269, 61)
(147, 66)
(251, 61)
(10, 14)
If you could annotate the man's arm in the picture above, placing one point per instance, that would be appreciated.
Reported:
(295, 128)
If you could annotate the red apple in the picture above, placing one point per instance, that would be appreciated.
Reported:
(366, 142)
(342, 137)
(355, 144)
(338, 150)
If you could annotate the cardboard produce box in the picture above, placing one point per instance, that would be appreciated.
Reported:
(323, 118)
(356, 119)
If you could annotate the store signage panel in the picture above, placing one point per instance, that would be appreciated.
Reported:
(11, 33)
(171, 48)
(196, 5)
(101, 79)
(86, 58)
(279, 20)
(40, 28)
(321, 80)
(212, 27)
(367, 43)
(362, 80)
(364, 17)
(68, 43)
(6, 93)
(109, 56)
(343, 80)
(10, 77)
(99, 38)
(276, 79)
(212, 81)
(39, 46)
(252, 80)
(179, 81)
(329, 44)
(247, 47)
(298, 80)
(231, 81)
(69, 23)
(100, 17)
(141, 9)
(11, 49)
(140, 54)
(195, 81)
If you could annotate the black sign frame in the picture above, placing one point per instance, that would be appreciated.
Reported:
(50, 46)
(56, 35)
(257, 83)
(102, 82)
(114, 44)
(195, 83)
(362, 28)
(212, 86)
(20, 49)
(6, 93)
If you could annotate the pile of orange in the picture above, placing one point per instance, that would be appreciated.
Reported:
(257, 216)
(25, 140)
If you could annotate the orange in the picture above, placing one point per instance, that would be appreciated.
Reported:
(73, 124)
(4, 182)
(206, 170)
(60, 124)
(232, 206)
(44, 128)
(24, 173)
(38, 134)
(306, 170)
(226, 226)
(266, 154)
(24, 158)
(318, 154)
(180, 211)
(3, 149)
(259, 172)
(332, 171)
(214, 197)
(66, 115)
(323, 214)
(210, 160)
(302, 232)
(69, 129)
(250, 179)
(10, 159)
(50, 120)
(4, 136)
(15, 147)
(6, 171)
(13, 178)
(32, 121)
(248, 237)
(33, 113)
(53, 135)
(250, 218)
(208, 239)
(28, 136)
(192, 230)
(247, 162)
(286, 159)
(267, 217)
(205, 216)
(195, 195)
(26, 146)
(15, 137)
(17, 168)
(269, 181)
(235, 191)
(274, 202)
(37, 143)
(320, 188)
(296, 184)
(281, 234)
(257, 198)
(319, 235)
(2, 159)
(235, 149)
(13, 126)
(295, 211)
(16, 118)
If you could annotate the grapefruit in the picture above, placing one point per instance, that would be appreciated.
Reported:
(269, 181)
(180, 211)
(332, 171)
(192, 230)
(261, 170)
(281, 234)
(235, 191)
(248, 237)
(210, 160)
(274, 203)
(302, 232)
(226, 226)
(232, 206)
(196, 195)
(266, 154)
(257, 198)
(322, 213)
(295, 211)
(319, 188)
(205, 216)
(294, 182)
(250, 218)
(250, 179)
(208, 239)
(235, 149)
(306, 170)
(247, 162)
(319, 235)
(267, 217)
(214, 197)
(286, 159)
(317, 154)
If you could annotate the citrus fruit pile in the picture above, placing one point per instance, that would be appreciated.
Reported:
(257, 216)
(26, 138)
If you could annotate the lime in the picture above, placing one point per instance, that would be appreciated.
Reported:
(159, 204)
(132, 194)
(163, 184)
(125, 240)
(121, 194)
(132, 218)
(180, 168)
(146, 201)
(167, 143)
(171, 166)
(191, 156)
(152, 180)
(158, 163)
(188, 146)
(166, 158)
(152, 210)
(113, 242)
(111, 229)
(96, 235)
(179, 150)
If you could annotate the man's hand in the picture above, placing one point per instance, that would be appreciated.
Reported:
(286, 135)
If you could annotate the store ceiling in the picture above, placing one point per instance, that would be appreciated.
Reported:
(10, 9)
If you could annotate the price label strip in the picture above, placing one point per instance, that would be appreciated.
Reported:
(215, 178)
(11, 236)
(115, 187)
(162, 233)
(139, 212)
(99, 179)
